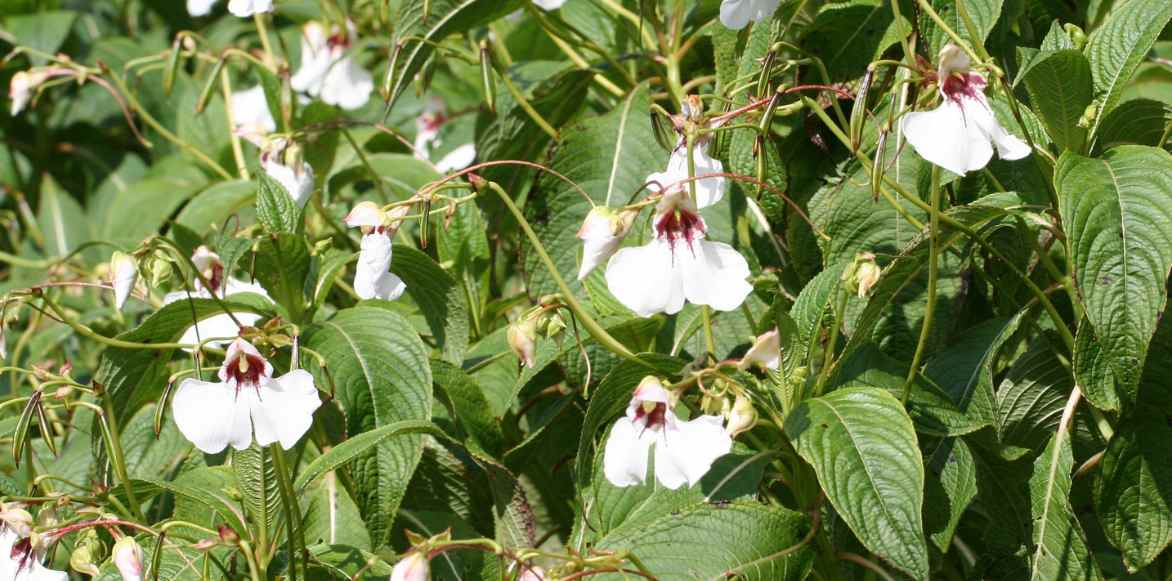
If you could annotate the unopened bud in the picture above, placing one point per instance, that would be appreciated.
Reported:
(227, 535)
(413, 567)
(128, 559)
(765, 352)
(88, 553)
(712, 404)
(365, 215)
(123, 276)
(602, 233)
(23, 86)
(531, 573)
(863, 275)
(17, 519)
(1077, 37)
(522, 336)
(742, 417)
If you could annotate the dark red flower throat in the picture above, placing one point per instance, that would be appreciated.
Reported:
(680, 224)
(246, 369)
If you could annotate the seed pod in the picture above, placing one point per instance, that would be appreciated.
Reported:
(172, 65)
(213, 81)
(43, 426)
(20, 434)
(487, 80)
(859, 110)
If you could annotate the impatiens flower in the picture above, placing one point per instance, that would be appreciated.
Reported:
(283, 163)
(372, 277)
(736, 14)
(678, 265)
(221, 326)
(413, 567)
(602, 233)
(19, 560)
(327, 71)
(962, 132)
(522, 338)
(766, 351)
(741, 416)
(200, 7)
(127, 557)
(22, 87)
(247, 401)
(251, 115)
(123, 274)
(684, 451)
(427, 129)
(709, 191)
(549, 4)
(246, 8)
(864, 274)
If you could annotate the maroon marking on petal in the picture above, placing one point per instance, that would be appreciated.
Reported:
(957, 87)
(22, 553)
(338, 40)
(216, 280)
(249, 377)
(680, 224)
(652, 420)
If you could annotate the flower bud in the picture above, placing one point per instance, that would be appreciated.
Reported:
(601, 234)
(1077, 37)
(531, 573)
(128, 559)
(22, 87)
(522, 336)
(742, 417)
(712, 404)
(17, 519)
(765, 352)
(88, 553)
(123, 275)
(227, 535)
(863, 275)
(413, 567)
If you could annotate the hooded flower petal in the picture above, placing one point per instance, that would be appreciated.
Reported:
(413, 567)
(427, 126)
(124, 273)
(22, 87)
(250, 112)
(714, 275)
(457, 159)
(211, 416)
(315, 59)
(625, 459)
(365, 214)
(709, 191)
(200, 7)
(686, 450)
(766, 351)
(549, 4)
(127, 557)
(284, 409)
(327, 71)
(602, 233)
(246, 8)
(347, 84)
(371, 278)
(736, 14)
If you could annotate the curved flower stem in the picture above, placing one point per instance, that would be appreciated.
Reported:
(1039, 294)
(933, 277)
(709, 341)
(592, 326)
(108, 341)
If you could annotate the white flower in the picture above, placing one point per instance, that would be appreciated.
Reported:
(413, 567)
(23, 86)
(736, 14)
(327, 71)
(522, 339)
(19, 561)
(709, 191)
(684, 451)
(741, 416)
(549, 4)
(295, 175)
(961, 133)
(221, 326)
(372, 278)
(250, 113)
(766, 351)
(127, 557)
(124, 273)
(200, 7)
(247, 400)
(457, 159)
(246, 8)
(602, 233)
(678, 265)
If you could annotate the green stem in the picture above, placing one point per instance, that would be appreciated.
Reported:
(254, 571)
(592, 326)
(709, 341)
(378, 181)
(292, 509)
(828, 351)
(109, 421)
(527, 107)
(933, 277)
(108, 341)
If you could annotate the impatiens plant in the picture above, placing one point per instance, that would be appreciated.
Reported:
(528, 290)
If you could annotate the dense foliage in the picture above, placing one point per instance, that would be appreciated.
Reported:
(556, 289)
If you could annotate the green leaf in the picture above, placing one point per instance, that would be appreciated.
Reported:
(847, 36)
(282, 266)
(346, 563)
(863, 448)
(609, 157)
(213, 206)
(1119, 233)
(439, 297)
(951, 486)
(1133, 491)
(469, 405)
(1030, 399)
(62, 220)
(742, 539)
(380, 368)
(43, 31)
(257, 480)
(419, 32)
(1060, 89)
(1060, 546)
(275, 208)
(1117, 48)
(984, 15)
(357, 446)
(331, 516)
(1092, 369)
(965, 370)
(1138, 121)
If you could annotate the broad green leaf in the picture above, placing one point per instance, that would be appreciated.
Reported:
(347, 563)
(1060, 546)
(213, 206)
(965, 370)
(984, 14)
(863, 448)
(743, 539)
(1133, 490)
(178, 563)
(380, 368)
(1030, 398)
(1116, 48)
(43, 31)
(847, 36)
(609, 157)
(469, 405)
(1119, 233)
(438, 296)
(421, 25)
(1093, 369)
(331, 516)
(1060, 89)
(357, 446)
(1137, 121)
(951, 486)
(282, 266)
(275, 208)
(61, 220)
(257, 479)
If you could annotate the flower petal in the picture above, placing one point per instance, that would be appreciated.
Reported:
(285, 409)
(315, 60)
(220, 327)
(947, 137)
(646, 279)
(250, 109)
(371, 277)
(457, 159)
(346, 84)
(236, 286)
(735, 14)
(688, 449)
(246, 8)
(624, 460)
(299, 185)
(200, 7)
(211, 416)
(714, 274)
